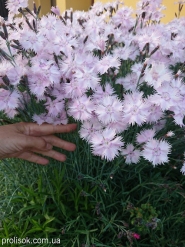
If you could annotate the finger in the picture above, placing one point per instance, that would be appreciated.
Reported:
(34, 129)
(52, 154)
(57, 142)
(32, 157)
(29, 142)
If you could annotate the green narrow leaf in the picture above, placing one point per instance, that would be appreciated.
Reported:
(48, 221)
(5, 227)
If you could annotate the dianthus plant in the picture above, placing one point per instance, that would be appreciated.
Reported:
(121, 77)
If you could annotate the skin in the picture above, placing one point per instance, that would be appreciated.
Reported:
(27, 140)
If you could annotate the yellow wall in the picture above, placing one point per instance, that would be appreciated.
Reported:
(169, 12)
(30, 4)
(75, 4)
(85, 4)
(45, 4)
(78, 5)
(61, 4)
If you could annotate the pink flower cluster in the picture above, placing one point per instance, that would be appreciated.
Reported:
(136, 236)
(93, 66)
(14, 5)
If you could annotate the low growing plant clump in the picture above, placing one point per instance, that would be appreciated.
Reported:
(121, 77)
(106, 205)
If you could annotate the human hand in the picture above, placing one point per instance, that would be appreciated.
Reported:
(27, 140)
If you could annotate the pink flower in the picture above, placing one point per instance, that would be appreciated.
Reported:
(14, 74)
(135, 109)
(48, 22)
(38, 83)
(8, 100)
(178, 85)
(152, 10)
(166, 96)
(183, 168)
(119, 126)
(44, 118)
(132, 154)
(95, 24)
(97, 43)
(148, 35)
(11, 112)
(145, 135)
(91, 79)
(55, 10)
(107, 62)
(100, 93)
(90, 127)
(123, 53)
(156, 151)
(2, 20)
(159, 125)
(170, 134)
(129, 82)
(61, 118)
(156, 75)
(57, 90)
(179, 113)
(6, 66)
(29, 40)
(136, 235)
(109, 110)
(81, 108)
(97, 7)
(14, 5)
(154, 112)
(137, 68)
(54, 107)
(47, 68)
(74, 89)
(124, 17)
(106, 144)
